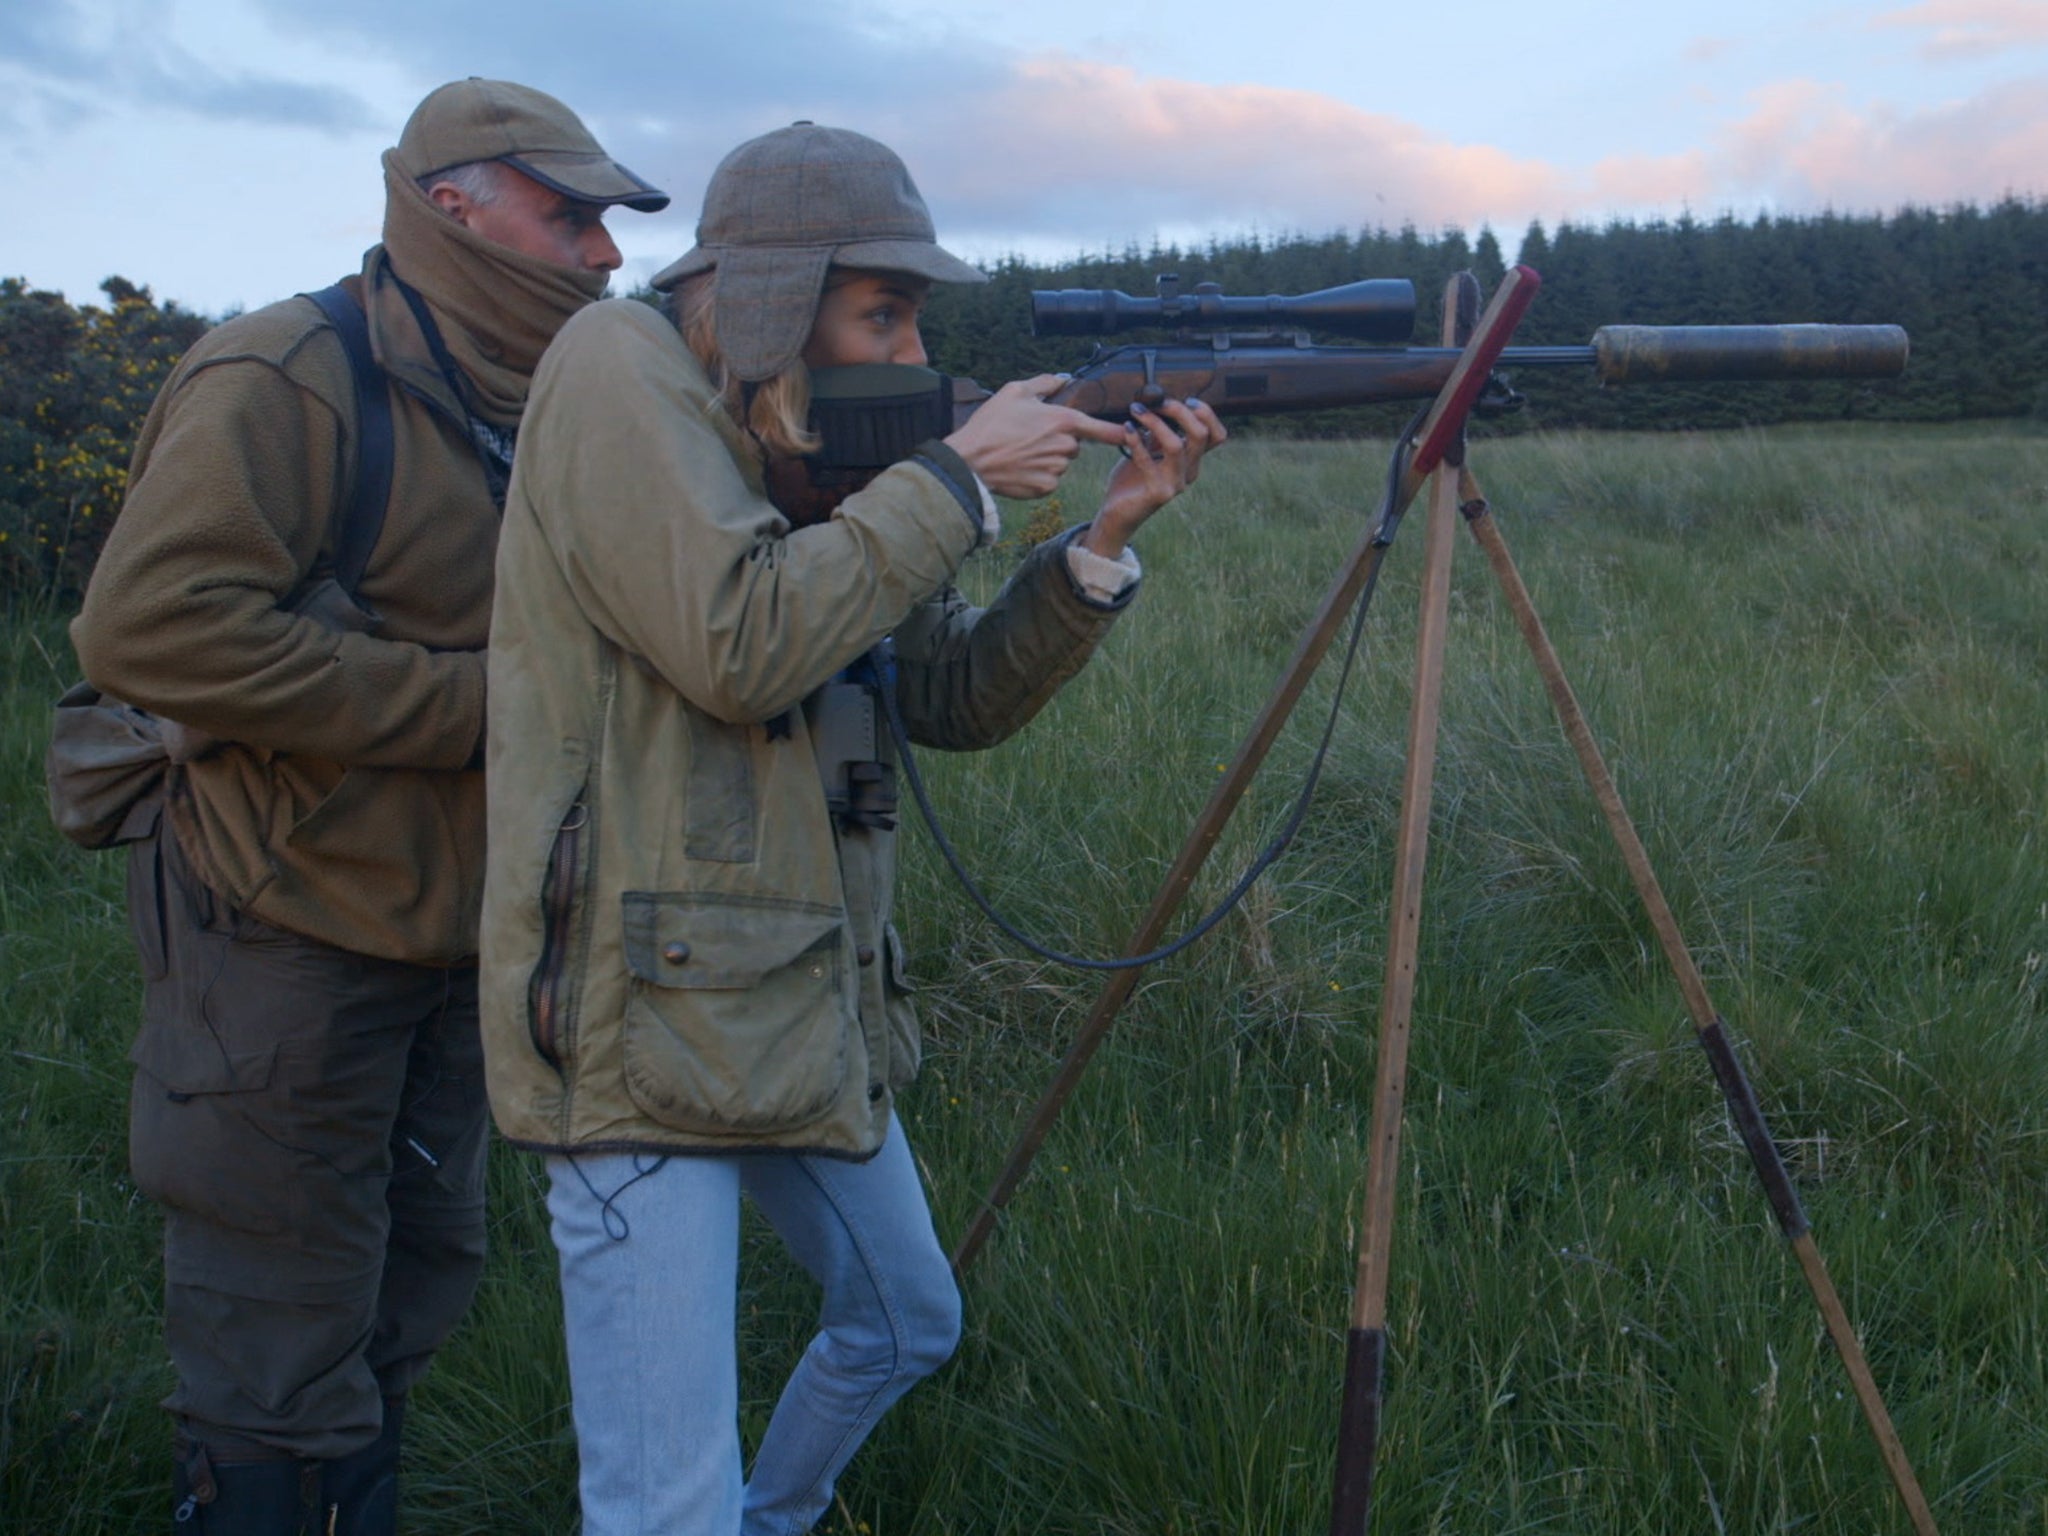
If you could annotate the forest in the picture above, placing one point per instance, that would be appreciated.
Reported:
(1970, 286)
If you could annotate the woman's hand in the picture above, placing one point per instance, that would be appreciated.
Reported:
(1163, 452)
(1020, 445)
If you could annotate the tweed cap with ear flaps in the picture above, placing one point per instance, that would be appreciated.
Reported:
(783, 208)
(530, 131)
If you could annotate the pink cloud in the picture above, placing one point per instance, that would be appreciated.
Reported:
(1804, 145)
(1971, 28)
(1079, 154)
(1655, 181)
(1066, 135)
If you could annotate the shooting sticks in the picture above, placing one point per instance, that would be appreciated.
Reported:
(1440, 441)
(1439, 430)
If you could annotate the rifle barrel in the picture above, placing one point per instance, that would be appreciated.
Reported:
(1545, 357)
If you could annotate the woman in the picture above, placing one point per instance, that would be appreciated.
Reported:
(691, 985)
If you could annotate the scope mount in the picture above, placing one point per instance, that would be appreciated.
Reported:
(1374, 310)
(1167, 285)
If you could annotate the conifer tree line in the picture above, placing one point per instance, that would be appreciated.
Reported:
(1969, 284)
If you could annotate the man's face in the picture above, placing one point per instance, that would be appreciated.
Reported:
(535, 221)
(868, 317)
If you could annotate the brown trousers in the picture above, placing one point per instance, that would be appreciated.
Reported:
(313, 1124)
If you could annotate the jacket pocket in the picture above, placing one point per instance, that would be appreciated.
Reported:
(320, 799)
(196, 1096)
(737, 1021)
(548, 989)
(332, 606)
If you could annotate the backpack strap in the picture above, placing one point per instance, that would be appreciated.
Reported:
(363, 519)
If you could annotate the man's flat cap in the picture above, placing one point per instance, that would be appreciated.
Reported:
(530, 131)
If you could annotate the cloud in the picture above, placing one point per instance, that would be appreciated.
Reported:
(1053, 150)
(80, 58)
(1009, 148)
(1804, 145)
(670, 85)
(1971, 28)
(1653, 181)
(1097, 152)
(182, 82)
(682, 62)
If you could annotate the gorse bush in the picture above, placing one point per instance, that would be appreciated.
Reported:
(75, 384)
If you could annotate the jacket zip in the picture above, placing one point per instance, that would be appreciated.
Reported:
(560, 909)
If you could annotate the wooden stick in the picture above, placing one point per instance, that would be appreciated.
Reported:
(1707, 1023)
(1366, 1345)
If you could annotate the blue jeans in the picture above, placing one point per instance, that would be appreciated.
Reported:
(649, 1254)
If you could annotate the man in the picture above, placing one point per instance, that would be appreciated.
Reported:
(308, 1104)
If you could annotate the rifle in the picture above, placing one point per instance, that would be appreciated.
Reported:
(1278, 368)
(1255, 356)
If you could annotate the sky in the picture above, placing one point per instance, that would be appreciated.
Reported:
(225, 152)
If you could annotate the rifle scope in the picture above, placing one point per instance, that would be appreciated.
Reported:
(1378, 309)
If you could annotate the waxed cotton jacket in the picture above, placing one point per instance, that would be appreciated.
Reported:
(346, 804)
(681, 949)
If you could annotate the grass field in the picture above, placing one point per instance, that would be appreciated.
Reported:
(1818, 663)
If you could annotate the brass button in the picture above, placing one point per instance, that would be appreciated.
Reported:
(865, 954)
(675, 954)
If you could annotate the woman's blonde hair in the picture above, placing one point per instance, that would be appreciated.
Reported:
(775, 413)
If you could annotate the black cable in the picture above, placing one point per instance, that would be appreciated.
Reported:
(616, 1227)
(1390, 520)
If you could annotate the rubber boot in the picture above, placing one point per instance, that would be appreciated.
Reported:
(243, 1498)
(359, 1491)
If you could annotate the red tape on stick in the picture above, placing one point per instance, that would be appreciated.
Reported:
(1446, 419)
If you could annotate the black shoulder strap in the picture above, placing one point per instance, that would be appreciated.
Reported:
(363, 518)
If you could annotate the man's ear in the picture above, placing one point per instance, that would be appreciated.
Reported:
(451, 200)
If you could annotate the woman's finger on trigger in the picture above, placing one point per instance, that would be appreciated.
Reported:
(1083, 426)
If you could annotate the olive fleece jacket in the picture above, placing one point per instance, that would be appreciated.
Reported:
(682, 949)
(346, 803)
